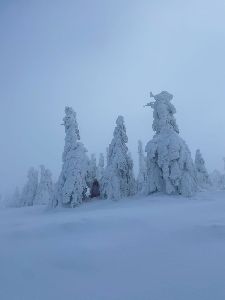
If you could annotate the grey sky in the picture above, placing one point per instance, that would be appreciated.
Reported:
(103, 58)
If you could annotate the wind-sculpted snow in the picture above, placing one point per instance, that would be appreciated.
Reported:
(154, 248)
(71, 187)
(170, 168)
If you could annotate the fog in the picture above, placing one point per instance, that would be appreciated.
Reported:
(103, 58)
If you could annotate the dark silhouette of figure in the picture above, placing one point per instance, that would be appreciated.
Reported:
(95, 189)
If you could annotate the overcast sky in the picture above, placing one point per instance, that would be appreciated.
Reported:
(103, 57)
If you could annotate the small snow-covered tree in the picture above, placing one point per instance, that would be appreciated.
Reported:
(45, 187)
(101, 165)
(142, 173)
(92, 170)
(118, 179)
(170, 168)
(71, 186)
(218, 180)
(202, 174)
(30, 189)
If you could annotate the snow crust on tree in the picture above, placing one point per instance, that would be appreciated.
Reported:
(71, 186)
(45, 187)
(118, 179)
(218, 180)
(142, 173)
(202, 173)
(30, 189)
(170, 168)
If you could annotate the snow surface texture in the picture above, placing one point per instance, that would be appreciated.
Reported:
(202, 174)
(170, 168)
(155, 248)
(71, 187)
(45, 187)
(118, 179)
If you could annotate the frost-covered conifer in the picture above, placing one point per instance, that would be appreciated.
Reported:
(101, 165)
(45, 187)
(142, 173)
(202, 174)
(71, 186)
(118, 179)
(170, 168)
(30, 189)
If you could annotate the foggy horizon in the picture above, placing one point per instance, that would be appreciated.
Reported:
(103, 59)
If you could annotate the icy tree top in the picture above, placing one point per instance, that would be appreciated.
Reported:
(163, 113)
(117, 149)
(71, 130)
(70, 121)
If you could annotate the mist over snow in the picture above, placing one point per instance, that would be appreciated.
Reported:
(103, 58)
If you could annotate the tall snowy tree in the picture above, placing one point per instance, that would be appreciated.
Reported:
(30, 189)
(118, 179)
(202, 174)
(142, 173)
(170, 168)
(71, 186)
(45, 187)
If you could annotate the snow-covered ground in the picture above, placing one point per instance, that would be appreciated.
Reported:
(155, 248)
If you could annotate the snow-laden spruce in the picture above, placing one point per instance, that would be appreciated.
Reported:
(45, 187)
(170, 168)
(202, 173)
(71, 186)
(118, 179)
(30, 189)
(142, 172)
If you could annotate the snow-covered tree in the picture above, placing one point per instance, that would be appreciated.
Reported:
(45, 187)
(218, 180)
(101, 165)
(170, 168)
(118, 179)
(30, 189)
(202, 174)
(92, 171)
(71, 186)
(142, 172)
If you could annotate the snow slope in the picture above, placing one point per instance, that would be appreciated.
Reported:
(155, 248)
